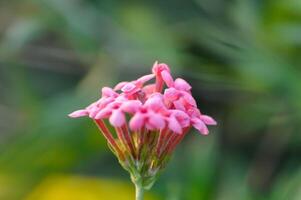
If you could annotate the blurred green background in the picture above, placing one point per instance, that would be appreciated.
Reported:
(242, 57)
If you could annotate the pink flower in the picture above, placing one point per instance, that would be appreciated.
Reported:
(150, 115)
(146, 117)
(162, 73)
(133, 87)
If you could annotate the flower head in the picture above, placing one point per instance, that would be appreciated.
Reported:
(148, 120)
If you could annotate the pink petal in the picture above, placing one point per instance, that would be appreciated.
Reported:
(145, 78)
(179, 105)
(120, 99)
(155, 102)
(171, 94)
(120, 85)
(103, 102)
(193, 112)
(92, 105)
(189, 99)
(156, 121)
(93, 112)
(207, 120)
(181, 84)
(79, 113)
(104, 113)
(149, 89)
(159, 67)
(182, 118)
(117, 118)
(108, 92)
(131, 106)
(174, 125)
(167, 78)
(200, 126)
(137, 122)
(128, 87)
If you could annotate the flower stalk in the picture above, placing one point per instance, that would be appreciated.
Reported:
(139, 192)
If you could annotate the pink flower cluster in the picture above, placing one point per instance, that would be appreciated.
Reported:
(150, 106)
(147, 121)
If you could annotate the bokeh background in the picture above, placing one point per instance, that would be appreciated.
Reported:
(242, 57)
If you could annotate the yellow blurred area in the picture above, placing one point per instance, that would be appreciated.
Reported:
(83, 188)
(6, 186)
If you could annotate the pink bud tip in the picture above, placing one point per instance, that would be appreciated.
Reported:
(78, 113)
(208, 120)
(200, 126)
(181, 84)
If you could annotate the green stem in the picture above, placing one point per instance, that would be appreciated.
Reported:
(139, 192)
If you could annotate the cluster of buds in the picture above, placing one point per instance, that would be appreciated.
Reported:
(144, 122)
